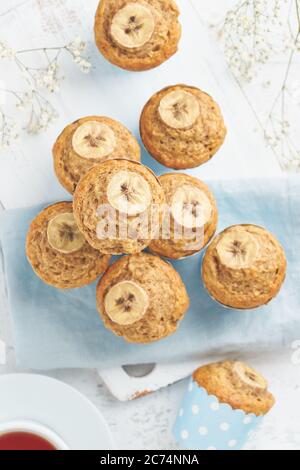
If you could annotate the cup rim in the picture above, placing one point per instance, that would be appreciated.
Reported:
(34, 427)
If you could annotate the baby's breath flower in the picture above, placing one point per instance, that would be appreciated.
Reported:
(249, 35)
(9, 131)
(266, 84)
(76, 49)
(254, 32)
(77, 46)
(83, 64)
(5, 51)
(49, 78)
(24, 99)
(292, 164)
(272, 140)
(284, 127)
(42, 115)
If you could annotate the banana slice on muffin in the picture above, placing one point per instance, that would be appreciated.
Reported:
(137, 34)
(63, 234)
(191, 217)
(182, 127)
(133, 25)
(142, 298)
(118, 207)
(129, 192)
(59, 253)
(88, 142)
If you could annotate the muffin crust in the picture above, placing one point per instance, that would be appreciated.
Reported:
(183, 148)
(161, 46)
(70, 167)
(178, 248)
(61, 270)
(221, 380)
(251, 286)
(168, 297)
(92, 193)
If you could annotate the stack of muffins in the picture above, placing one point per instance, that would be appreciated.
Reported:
(141, 297)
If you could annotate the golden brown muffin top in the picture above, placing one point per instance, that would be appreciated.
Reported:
(58, 252)
(137, 34)
(236, 384)
(87, 142)
(182, 127)
(244, 267)
(118, 206)
(191, 216)
(142, 298)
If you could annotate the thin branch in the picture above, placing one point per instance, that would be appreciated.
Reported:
(40, 49)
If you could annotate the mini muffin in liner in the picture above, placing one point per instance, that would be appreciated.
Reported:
(203, 423)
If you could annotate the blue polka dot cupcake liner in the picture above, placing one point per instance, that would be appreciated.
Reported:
(203, 423)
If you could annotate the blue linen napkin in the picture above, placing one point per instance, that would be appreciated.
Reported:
(62, 329)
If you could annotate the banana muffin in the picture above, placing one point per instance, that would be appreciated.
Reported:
(237, 385)
(244, 267)
(87, 142)
(191, 217)
(137, 34)
(182, 127)
(58, 252)
(142, 298)
(118, 207)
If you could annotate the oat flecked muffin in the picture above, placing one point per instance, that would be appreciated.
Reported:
(191, 217)
(118, 206)
(87, 142)
(142, 298)
(244, 267)
(182, 127)
(236, 384)
(137, 34)
(58, 252)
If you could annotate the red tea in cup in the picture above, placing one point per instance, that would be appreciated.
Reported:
(24, 441)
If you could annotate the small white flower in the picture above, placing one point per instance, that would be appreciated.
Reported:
(9, 131)
(84, 65)
(49, 78)
(6, 52)
(77, 46)
(41, 117)
(266, 84)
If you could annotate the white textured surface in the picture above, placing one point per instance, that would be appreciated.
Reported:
(26, 177)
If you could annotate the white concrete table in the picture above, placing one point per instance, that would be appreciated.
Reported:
(26, 177)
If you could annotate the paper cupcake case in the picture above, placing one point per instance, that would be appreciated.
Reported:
(203, 423)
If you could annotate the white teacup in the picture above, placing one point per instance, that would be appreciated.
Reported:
(34, 428)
